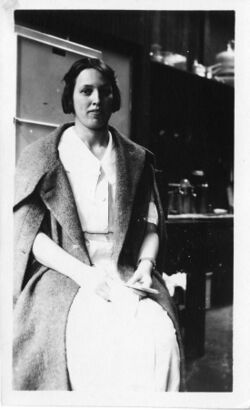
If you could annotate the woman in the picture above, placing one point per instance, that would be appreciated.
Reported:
(91, 310)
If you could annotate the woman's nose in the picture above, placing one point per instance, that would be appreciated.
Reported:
(96, 96)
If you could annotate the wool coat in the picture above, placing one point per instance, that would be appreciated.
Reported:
(42, 297)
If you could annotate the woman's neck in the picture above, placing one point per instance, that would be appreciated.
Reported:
(95, 140)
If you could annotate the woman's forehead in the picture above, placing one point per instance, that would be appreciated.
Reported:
(91, 76)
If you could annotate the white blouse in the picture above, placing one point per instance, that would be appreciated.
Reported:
(93, 183)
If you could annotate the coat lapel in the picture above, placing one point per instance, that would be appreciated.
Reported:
(129, 165)
(54, 188)
(57, 195)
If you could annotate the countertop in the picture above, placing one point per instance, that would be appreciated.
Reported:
(195, 218)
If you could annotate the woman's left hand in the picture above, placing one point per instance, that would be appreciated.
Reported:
(142, 275)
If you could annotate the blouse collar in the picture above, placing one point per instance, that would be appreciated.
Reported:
(77, 156)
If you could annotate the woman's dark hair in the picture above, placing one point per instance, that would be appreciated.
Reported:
(75, 70)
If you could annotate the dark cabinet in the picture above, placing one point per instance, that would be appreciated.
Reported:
(201, 247)
(192, 128)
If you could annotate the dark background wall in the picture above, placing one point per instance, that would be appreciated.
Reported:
(196, 34)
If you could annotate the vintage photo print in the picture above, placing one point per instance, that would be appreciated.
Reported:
(125, 161)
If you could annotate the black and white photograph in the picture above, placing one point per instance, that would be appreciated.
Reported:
(124, 215)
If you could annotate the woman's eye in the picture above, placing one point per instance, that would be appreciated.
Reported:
(103, 92)
(86, 91)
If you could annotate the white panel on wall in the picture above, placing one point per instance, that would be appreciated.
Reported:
(42, 64)
(40, 85)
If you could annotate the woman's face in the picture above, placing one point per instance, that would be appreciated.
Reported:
(93, 99)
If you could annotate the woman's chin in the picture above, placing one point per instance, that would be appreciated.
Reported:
(98, 126)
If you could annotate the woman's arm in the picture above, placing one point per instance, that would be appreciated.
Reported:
(48, 253)
(147, 257)
(149, 249)
(150, 245)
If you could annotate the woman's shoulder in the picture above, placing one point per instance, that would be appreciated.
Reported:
(41, 152)
(132, 146)
(35, 151)
(35, 160)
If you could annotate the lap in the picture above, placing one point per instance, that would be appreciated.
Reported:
(107, 346)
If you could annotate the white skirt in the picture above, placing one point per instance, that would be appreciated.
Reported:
(128, 344)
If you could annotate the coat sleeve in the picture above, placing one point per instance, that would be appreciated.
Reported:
(28, 207)
(27, 221)
(28, 215)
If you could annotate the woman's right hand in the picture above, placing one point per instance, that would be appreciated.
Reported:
(49, 254)
(95, 280)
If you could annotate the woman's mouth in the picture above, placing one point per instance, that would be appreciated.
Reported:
(95, 113)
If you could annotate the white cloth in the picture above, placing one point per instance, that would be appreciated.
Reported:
(125, 344)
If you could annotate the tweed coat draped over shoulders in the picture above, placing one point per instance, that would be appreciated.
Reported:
(42, 297)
